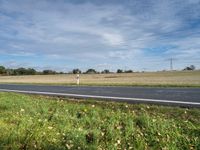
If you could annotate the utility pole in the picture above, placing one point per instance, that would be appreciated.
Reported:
(171, 64)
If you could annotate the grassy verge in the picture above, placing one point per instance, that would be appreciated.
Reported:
(40, 122)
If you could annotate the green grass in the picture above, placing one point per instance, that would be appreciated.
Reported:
(40, 122)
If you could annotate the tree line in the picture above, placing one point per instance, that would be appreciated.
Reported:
(31, 71)
(25, 71)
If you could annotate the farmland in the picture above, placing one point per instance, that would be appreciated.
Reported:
(41, 122)
(175, 78)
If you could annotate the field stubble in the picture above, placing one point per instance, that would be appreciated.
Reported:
(178, 78)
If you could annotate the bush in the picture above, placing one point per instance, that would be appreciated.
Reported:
(119, 71)
(75, 71)
(24, 71)
(46, 72)
(105, 71)
(2, 70)
(91, 71)
(191, 67)
(128, 71)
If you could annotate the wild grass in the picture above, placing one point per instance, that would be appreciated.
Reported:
(165, 79)
(41, 122)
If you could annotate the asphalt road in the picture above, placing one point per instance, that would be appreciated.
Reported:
(167, 96)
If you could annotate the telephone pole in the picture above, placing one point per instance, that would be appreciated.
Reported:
(171, 64)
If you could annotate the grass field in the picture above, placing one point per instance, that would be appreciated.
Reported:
(178, 78)
(39, 122)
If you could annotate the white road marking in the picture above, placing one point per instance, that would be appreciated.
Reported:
(101, 97)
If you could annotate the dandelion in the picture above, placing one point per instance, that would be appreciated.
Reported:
(50, 127)
(80, 129)
(118, 141)
(57, 133)
(22, 110)
(69, 146)
(93, 106)
(119, 127)
(54, 140)
(102, 133)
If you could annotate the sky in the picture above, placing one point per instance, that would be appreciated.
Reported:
(142, 35)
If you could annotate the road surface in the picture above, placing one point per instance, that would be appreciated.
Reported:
(167, 96)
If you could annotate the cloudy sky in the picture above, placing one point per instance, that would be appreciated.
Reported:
(127, 34)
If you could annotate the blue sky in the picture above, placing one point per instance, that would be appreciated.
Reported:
(101, 34)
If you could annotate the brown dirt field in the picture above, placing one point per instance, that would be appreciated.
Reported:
(175, 78)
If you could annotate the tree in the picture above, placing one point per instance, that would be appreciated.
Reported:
(9, 72)
(105, 71)
(2, 70)
(91, 71)
(46, 72)
(128, 71)
(20, 71)
(76, 71)
(119, 71)
(191, 67)
(30, 71)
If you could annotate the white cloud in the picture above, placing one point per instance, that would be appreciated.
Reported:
(94, 33)
(113, 39)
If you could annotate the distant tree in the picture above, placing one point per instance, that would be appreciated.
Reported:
(128, 71)
(105, 71)
(61, 72)
(91, 71)
(46, 72)
(75, 71)
(2, 70)
(191, 67)
(30, 71)
(24, 71)
(9, 72)
(119, 71)
(20, 71)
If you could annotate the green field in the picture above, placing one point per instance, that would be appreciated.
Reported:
(40, 122)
